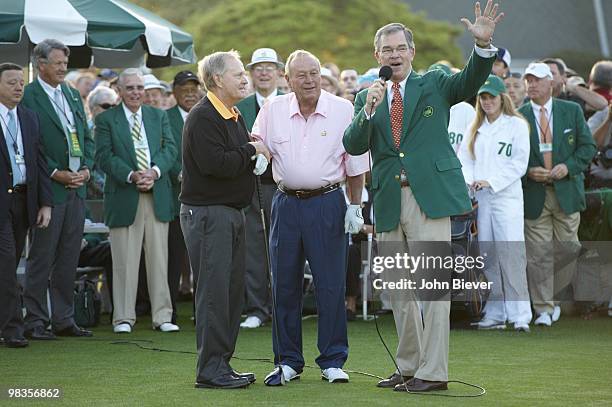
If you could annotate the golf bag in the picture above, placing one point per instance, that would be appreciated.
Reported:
(467, 304)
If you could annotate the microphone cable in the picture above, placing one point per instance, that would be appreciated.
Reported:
(385, 73)
(138, 343)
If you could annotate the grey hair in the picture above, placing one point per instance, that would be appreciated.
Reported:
(129, 72)
(297, 54)
(44, 48)
(214, 64)
(601, 74)
(390, 29)
(98, 94)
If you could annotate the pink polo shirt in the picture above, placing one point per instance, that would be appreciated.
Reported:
(308, 154)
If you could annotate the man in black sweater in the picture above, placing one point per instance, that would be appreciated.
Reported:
(218, 182)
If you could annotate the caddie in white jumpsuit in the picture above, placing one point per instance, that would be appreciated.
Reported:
(493, 164)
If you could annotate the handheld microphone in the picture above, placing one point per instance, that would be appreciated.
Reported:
(384, 74)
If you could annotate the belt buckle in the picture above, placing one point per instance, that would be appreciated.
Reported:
(300, 194)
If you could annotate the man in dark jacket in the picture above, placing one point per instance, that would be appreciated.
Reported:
(25, 194)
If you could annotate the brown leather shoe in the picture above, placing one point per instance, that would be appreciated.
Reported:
(393, 381)
(419, 385)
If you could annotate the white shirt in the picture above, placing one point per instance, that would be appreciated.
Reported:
(461, 117)
(4, 114)
(183, 113)
(390, 90)
(64, 107)
(549, 116)
(129, 115)
(261, 99)
(62, 110)
(390, 94)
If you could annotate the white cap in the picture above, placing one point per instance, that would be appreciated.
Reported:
(327, 72)
(151, 82)
(539, 70)
(265, 55)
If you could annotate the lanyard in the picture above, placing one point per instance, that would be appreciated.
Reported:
(547, 126)
(62, 108)
(13, 138)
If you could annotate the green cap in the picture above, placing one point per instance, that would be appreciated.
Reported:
(443, 67)
(493, 85)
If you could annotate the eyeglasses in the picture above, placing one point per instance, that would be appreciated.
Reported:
(106, 106)
(387, 51)
(266, 69)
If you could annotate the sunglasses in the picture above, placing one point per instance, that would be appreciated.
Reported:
(106, 106)
(516, 75)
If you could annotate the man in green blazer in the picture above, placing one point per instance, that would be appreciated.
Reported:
(186, 89)
(68, 147)
(263, 69)
(417, 178)
(553, 188)
(136, 151)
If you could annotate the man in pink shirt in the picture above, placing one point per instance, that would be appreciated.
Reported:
(303, 131)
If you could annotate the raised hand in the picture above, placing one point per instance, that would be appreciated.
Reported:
(484, 24)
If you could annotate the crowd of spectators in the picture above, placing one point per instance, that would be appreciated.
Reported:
(138, 101)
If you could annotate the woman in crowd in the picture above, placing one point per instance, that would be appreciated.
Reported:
(494, 159)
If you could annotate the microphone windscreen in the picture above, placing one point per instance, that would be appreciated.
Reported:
(385, 72)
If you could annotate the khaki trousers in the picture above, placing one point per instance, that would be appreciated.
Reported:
(422, 350)
(553, 225)
(126, 246)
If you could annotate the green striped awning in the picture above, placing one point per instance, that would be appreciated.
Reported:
(105, 33)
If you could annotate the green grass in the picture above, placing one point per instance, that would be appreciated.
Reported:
(569, 364)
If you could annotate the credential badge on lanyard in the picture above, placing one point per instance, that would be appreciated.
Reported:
(546, 147)
(75, 146)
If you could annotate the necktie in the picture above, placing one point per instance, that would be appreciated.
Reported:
(141, 155)
(74, 163)
(546, 137)
(12, 129)
(397, 113)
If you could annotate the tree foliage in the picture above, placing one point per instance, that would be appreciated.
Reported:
(176, 11)
(338, 31)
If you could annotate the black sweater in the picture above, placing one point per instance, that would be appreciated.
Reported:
(217, 166)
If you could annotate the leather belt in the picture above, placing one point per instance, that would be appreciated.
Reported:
(405, 183)
(20, 188)
(308, 193)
